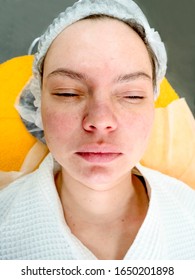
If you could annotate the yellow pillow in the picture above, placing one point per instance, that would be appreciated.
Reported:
(171, 149)
(15, 140)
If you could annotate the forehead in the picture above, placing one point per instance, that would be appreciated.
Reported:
(100, 43)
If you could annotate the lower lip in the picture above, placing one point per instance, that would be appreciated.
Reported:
(99, 157)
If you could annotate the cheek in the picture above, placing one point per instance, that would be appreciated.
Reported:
(58, 125)
(144, 125)
(138, 127)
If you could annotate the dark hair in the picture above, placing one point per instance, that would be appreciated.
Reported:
(139, 29)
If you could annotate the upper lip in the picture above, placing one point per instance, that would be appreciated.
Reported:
(96, 148)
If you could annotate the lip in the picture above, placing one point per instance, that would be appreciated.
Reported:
(99, 153)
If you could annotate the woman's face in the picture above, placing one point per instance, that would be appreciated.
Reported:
(97, 101)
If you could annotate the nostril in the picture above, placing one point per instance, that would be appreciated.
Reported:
(92, 127)
(100, 119)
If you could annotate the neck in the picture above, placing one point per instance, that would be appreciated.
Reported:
(92, 206)
(105, 221)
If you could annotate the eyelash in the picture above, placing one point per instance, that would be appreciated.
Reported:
(66, 94)
(74, 94)
(134, 97)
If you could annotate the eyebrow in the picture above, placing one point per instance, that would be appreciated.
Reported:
(133, 76)
(65, 72)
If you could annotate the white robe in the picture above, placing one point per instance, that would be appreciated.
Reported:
(32, 224)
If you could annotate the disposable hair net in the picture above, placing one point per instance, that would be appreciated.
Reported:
(29, 103)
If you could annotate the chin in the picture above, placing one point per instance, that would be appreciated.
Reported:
(100, 179)
(101, 184)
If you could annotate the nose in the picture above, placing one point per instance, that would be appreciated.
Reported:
(100, 117)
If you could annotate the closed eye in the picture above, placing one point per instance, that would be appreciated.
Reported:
(134, 97)
(66, 94)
